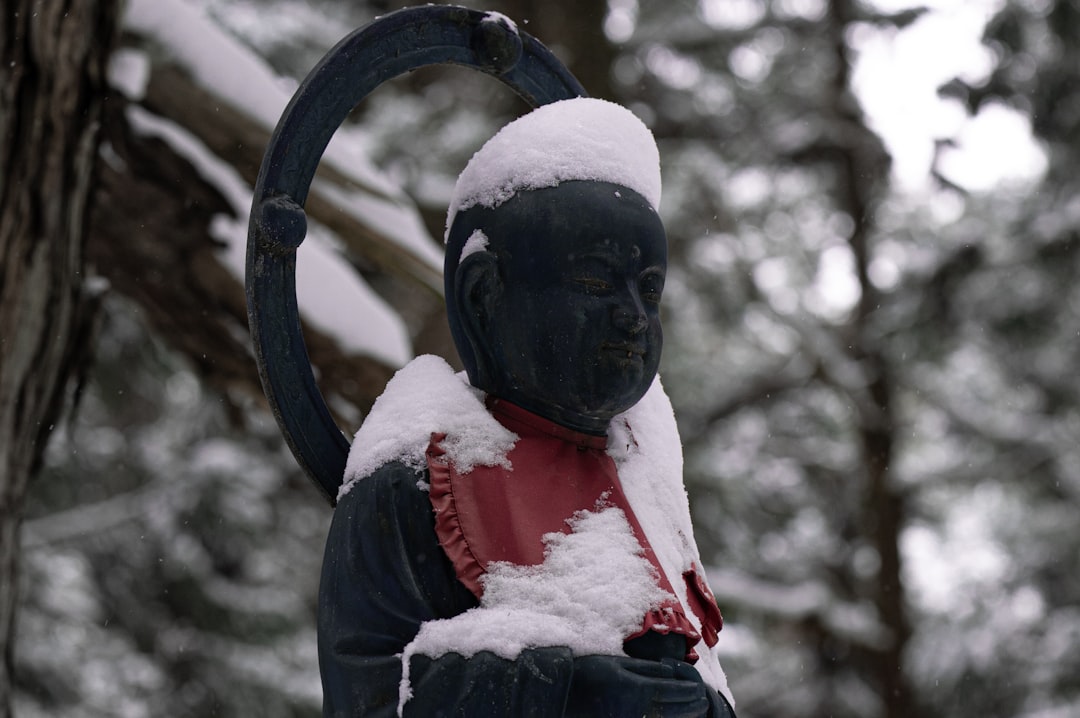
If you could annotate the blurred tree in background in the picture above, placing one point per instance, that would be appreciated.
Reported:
(874, 385)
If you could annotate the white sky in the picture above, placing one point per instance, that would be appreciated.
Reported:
(896, 77)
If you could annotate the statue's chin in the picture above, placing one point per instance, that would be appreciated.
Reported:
(612, 404)
(617, 382)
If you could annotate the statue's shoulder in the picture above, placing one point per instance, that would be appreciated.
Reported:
(387, 508)
(392, 483)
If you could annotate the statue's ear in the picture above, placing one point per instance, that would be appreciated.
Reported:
(478, 288)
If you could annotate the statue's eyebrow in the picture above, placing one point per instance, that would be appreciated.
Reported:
(598, 254)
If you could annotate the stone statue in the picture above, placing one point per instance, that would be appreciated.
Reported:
(515, 540)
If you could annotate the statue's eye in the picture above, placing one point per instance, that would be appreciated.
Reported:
(651, 286)
(594, 284)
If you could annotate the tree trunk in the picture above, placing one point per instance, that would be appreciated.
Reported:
(53, 56)
(862, 176)
(574, 31)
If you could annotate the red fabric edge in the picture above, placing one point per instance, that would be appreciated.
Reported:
(447, 525)
(703, 604)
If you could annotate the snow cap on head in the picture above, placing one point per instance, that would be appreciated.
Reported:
(577, 139)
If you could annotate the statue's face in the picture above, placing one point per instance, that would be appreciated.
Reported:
(576, 327)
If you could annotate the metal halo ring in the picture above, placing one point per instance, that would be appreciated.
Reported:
(390, 46)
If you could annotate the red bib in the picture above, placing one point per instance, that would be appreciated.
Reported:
(495, 514)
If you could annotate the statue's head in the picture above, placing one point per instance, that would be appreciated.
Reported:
(555, 264)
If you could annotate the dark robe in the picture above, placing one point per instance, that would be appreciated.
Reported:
(384, 574)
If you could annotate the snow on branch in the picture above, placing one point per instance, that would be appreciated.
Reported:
(327, 289)
(221, 102)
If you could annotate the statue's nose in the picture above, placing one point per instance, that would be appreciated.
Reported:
(630, 315)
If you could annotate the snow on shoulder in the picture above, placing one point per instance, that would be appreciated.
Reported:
(577, 139)
(423, 398)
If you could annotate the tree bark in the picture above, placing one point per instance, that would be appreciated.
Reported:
(574, 31)
(53, 56)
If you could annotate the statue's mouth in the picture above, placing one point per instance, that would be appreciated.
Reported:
(625, 350)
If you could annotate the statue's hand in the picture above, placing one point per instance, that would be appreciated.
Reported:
(622, 686)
